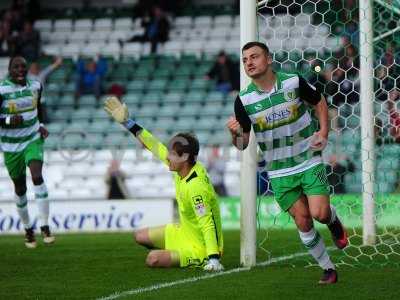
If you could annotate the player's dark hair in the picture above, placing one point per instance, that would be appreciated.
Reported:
(256, 44)
(186, 143)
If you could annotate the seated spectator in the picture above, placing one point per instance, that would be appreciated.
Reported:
(156, 29)
(226, 73)
(90, 78)
(336, 171)
(115, 180)
(216, 170)
(28, 42)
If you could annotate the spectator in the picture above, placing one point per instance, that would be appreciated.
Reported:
(6, 46)
(226, 73)
(336, 172)
(28, 42)
(394, 113)
(115, 180)
(156, 29)
(216, 170)
(41, 75)
(90, 78)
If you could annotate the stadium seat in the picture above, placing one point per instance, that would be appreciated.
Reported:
(123, 24)
(103, 24)
(98, 37)
(62, 25)
(83, 25)
(111, 50)
(183, 22)
(173, 48)
(44, 25)
(203, 22)
(78, 37)
(222, 21)
(190, 109)
(118, 35)
(173, 97)
(58, 38)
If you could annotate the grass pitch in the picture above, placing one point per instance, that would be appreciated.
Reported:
(111, 266)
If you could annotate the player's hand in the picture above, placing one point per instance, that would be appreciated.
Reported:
(16, 120)
(117, 110)
(213, 265)
(234, 126)
(318, 141)
(44, 133)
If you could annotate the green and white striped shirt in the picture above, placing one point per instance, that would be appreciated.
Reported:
(22, 100)
(282, 123)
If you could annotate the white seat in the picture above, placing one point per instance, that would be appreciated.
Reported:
(195, 47)
(180, 34)
(98, 37)
(103, 24)
(173, 48)
(81, 193)
(203, 21)
(63, 25)
(219, 33)
(58, 37)
(92, 49)
(83, 25)
(123, 24)
(111, 49)
(223, 21)
(185, 22)
(71, 50)
(302, 20)
(115, 36)
(287, 20)
(236, 21)
(78, 37)
(232, 46)
(199, 33)
(214, 46)
(132, 49)
(58, 194)
(53, 50)
(44, 25)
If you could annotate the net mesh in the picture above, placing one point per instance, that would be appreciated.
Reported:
(320, 40)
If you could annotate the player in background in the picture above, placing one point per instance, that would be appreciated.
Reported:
(275, 104)
(197, 240)
(22, 136)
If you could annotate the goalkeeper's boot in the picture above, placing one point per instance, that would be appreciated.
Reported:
(30, 241)
(47, 237)
(339, 234)
(329, 276)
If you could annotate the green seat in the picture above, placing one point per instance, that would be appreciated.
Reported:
(99, 115)
(55, 128)
(172, 98)
(132, 99)
(185, 124)
(168, 110)
(178, 85)
(149, 110)
(66, 101)
(183, 71)
(194, 97)
(78, 125)
(192, 109)
(200, 85)
(61, 115)
(215, 96)
(98, 127)
(281, 56)
(163, 72)
(151, 98)
(143, 73)
(158, 85)
(136, 86)
(87, 101)
(81, 114)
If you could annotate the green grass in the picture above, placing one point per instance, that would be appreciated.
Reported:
(88, 266)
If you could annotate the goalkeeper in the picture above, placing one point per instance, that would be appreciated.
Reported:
(197, 240)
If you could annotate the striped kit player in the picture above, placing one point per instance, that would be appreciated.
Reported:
(22, 136)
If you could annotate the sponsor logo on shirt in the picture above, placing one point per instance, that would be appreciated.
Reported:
(278, 117)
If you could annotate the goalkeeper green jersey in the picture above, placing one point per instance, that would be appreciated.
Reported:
(22, 100)
(199, 212)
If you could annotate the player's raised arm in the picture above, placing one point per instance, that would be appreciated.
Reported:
(119, 112)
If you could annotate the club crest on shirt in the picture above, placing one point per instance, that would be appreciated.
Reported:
(290, 95)
(199, 205)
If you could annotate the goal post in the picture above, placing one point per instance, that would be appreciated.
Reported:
(248, 185)
(367, 115)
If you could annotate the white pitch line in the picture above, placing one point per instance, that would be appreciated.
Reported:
(155, 287)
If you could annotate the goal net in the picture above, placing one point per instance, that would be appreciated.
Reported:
(321, 41)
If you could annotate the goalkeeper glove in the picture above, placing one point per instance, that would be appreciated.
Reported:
(213, 265)
(118, 111)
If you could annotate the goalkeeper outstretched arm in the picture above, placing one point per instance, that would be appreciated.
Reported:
(119, 112)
